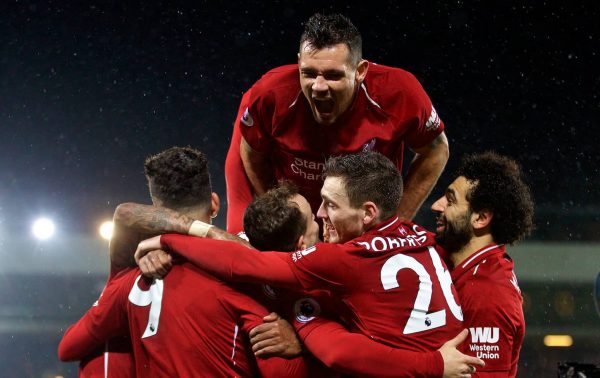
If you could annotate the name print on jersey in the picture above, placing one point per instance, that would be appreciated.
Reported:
(381, 244)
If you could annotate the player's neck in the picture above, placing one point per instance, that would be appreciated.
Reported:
(197, 213)
(475, 244)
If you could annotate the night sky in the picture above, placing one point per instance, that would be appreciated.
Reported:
(88, 91)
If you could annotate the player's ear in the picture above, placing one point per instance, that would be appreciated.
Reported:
(370, 213)
(215, 204)
(481, 219)
(361, 71)
(300, 244)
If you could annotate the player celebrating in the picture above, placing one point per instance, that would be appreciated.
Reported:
(486, 207)
(167, 318)
(361, 194)
(332, 102)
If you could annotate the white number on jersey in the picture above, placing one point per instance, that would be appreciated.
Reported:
(420, 318)
(152, 297)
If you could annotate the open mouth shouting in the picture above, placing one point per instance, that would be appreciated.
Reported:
(324, 107)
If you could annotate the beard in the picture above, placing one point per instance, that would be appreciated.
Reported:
(456, 234)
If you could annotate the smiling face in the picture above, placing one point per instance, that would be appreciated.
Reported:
(311, 235)
(342, 221)
(329, 80)
(453, 222)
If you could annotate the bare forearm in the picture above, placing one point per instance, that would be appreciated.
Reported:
(218, 234)
(134, 222)
(258, 168)
(151, 219)
(423, 173)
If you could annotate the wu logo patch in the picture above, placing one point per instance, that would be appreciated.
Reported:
(489, 335)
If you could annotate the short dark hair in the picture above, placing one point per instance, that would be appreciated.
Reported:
(272, 222)
(327, 30)
(499, 186)
(179, 177)
(368, 176)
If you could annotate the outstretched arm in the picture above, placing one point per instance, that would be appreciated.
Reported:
(105, 319)
(226, 260)
(356, 354)
(258, 167)
(423, 172)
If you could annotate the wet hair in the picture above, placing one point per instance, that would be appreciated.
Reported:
(178, 177)
(368, 176)
(322, 31)
(498, 186)
(272, 222)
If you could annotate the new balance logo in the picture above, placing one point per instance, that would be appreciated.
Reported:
(515, 283)
(489, 335)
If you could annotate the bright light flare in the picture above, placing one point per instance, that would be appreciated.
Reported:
(106, 230)
(43, 229)
(563, 341)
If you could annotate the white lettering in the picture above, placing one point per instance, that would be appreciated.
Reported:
(380, 240)
(393, 243)
(488, 356)
(484, 348)
(489, 335)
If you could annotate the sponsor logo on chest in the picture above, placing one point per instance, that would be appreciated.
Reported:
(308, 169)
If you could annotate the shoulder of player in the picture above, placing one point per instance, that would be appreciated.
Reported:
(391, 87)
(278, 84)
(387, 79)
(490, 279)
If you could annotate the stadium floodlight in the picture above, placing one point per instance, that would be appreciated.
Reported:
(43, 228)
(106, 230)
(561, 341)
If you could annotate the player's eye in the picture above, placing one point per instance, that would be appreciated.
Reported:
(334, 76)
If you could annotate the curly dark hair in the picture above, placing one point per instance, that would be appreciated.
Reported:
(179, 177)
(368, 176)
(499, 187)
(327, 30)
(272, 222)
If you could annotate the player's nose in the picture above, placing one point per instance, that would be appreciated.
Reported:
(440, 205)
(321, 212)
(320, 84)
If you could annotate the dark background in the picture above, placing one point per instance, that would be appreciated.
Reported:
(87, 91)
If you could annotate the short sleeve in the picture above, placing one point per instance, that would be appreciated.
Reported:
(428, 125)
(254, 121)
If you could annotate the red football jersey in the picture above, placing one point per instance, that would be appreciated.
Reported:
(351, 353)
(493, 307)
(389, 284)
(187, 324)
(390, 109)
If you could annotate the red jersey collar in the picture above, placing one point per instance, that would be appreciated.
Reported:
(477, 257)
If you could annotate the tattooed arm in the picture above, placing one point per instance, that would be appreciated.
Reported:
(134, 222)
